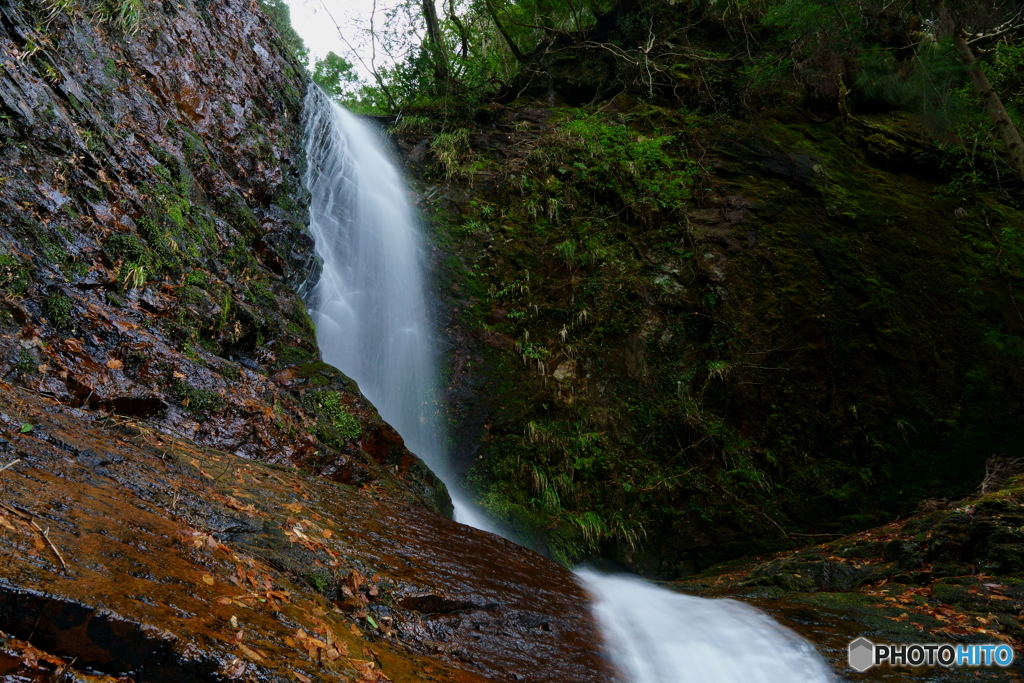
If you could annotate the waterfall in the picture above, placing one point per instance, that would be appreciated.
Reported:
(369, 305)
(370, 311)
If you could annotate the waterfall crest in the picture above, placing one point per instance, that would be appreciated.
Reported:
(369, 307)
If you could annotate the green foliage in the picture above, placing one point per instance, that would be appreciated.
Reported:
(281, 18)
(335, 76)
(930, 84)
(335, 425)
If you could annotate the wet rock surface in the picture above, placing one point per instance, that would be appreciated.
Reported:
(952, 574)
(152, 236)
(141, 555)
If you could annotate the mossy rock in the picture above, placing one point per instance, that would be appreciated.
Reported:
(808, 574)
(196, 400)
(335, 425)
(15, 276)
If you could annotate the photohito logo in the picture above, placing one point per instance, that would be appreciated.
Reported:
(863, 654)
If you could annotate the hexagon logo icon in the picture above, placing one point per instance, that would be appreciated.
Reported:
(862, 654)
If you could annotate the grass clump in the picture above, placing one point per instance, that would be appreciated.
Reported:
(451, 149)
(124, 14)
(412, 125)
(133, 257)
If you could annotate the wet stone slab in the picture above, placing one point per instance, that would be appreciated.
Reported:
(147, 556)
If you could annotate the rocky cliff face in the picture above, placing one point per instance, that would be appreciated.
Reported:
(152, 235)
(164, 411)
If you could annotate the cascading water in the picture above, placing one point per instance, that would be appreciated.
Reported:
(658, 636)
(369, 307)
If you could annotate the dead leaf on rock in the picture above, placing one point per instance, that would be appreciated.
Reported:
(6, 523)
(368, 672)
(250, 653)
(114, 364)
(235, 504)
(236, 669)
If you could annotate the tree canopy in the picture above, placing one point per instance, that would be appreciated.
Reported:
(956, 63)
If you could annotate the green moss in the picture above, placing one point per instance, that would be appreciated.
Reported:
(25, 362)
(197, 401)
(335, 425)
(58, 307)
(230, 372)
(321, 580)
(14, 275)
(191, 295)
(293, 355)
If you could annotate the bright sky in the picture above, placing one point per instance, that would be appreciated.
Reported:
(313, 21)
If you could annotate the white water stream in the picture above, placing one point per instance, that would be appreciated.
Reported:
(370, 311)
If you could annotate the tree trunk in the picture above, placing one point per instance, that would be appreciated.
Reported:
(461, 28)
(516, 52)
(435, 40)
(993, 105)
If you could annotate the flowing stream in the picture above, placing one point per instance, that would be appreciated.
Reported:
(370, 311)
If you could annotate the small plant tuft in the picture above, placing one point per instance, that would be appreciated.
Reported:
(124, 14)
(58, 307)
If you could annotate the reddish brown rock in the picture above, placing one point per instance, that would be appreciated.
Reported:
(184, 563)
